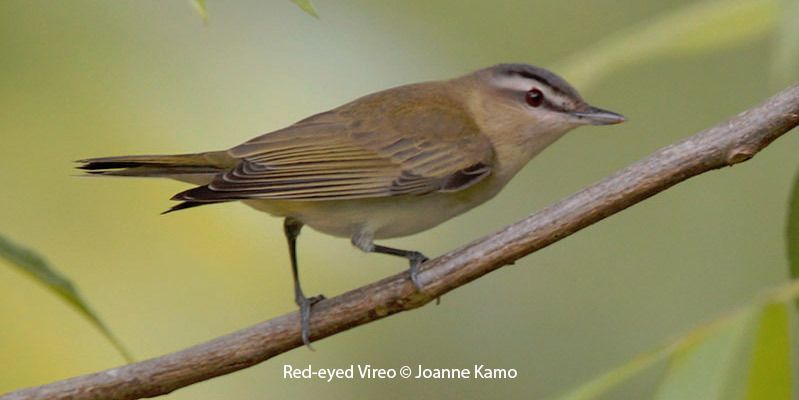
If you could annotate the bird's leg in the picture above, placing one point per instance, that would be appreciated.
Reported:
(415, 258)
(364, 241)
(292, 229)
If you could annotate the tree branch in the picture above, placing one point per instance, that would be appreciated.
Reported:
(727, 143)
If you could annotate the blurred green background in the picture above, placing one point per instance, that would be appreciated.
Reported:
(95, 78)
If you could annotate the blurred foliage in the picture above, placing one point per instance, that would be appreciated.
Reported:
(786, 54)
(202, 9)
(744, 354)
(107, 80)
(306, 6)
(697, 27)
(792, 229)
(769, 374)
(30, 262)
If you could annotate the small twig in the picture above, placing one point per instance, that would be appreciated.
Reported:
(728, 143)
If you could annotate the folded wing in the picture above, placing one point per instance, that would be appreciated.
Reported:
(347, 154)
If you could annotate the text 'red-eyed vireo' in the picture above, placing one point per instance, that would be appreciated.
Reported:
(388, 164)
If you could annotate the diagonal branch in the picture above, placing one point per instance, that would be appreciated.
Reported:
(725, 144)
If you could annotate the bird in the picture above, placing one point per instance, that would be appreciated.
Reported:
(389, 164)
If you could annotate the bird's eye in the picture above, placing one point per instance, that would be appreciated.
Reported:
(534, 97)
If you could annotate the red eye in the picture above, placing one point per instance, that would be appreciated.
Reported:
(534, 97)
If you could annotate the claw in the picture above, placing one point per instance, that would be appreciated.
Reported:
(305, 304)
(416, 259)
(413, 271)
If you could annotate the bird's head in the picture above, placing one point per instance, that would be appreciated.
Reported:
(524, 95)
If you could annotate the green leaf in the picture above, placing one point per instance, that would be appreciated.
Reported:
(604, 383)
(202, 10)
(743, 352)
(792, 231)
(785, 66)
(770, 372)
(696, 27)
(306, 6)
(35, 265)
(702, 369)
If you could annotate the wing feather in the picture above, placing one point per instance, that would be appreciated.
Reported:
(352, 153)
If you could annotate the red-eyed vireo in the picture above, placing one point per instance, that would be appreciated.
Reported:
(388, 164)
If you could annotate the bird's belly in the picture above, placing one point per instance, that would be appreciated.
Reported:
(382, 218)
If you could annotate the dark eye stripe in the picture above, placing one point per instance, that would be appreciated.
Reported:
(527, 75)
(545, 77)
(553, 106)
(547, 103)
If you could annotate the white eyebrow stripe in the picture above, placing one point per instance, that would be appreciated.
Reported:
(518, 83)
(522, 84)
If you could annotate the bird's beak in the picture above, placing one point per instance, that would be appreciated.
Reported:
(598, 116)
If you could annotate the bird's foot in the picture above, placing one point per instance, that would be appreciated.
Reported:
(305, 304)
(416, 259)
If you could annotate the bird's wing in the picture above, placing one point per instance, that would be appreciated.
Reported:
(347, 155)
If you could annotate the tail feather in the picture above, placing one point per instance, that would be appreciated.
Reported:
(197, 168)
(151, 171)
(158, 165)
(189, 204)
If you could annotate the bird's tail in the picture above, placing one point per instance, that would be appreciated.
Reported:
(186, 167)
(199, 169)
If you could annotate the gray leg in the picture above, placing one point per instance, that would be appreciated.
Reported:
(415, 258)
(363, 241)
(292, 228)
